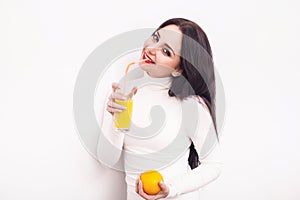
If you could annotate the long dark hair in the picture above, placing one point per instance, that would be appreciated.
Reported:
(198, 78)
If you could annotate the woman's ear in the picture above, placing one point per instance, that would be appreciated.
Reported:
(177, 72)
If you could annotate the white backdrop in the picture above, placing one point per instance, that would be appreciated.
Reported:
(43, 44)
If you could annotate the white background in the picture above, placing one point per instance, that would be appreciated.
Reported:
(43, 44)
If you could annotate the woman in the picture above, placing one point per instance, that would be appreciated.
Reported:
(179, 77)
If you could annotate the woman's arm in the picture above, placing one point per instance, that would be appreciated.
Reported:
(210, 166)
(110, 141)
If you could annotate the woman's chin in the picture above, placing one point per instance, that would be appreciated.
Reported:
(146, 67)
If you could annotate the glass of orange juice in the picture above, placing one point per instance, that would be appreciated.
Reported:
(122, 120)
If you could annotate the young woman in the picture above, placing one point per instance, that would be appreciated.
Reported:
(179, 78)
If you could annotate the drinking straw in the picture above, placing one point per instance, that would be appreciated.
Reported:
(127, 69)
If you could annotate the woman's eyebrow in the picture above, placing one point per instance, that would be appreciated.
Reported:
(170, 48)
(158, 34)
(165, 43)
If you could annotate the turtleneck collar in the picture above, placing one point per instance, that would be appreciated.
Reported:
(162, 83)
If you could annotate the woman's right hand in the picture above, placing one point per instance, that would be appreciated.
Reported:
(112, 106)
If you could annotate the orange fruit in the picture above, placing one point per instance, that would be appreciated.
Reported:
(150, 180)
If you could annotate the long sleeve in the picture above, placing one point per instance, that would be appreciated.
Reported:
(110, 142)
(210, 166)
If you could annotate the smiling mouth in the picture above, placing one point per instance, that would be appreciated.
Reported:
(149, 61)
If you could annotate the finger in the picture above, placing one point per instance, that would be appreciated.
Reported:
(134, 90)
(159, 196)
(164, 191)
(137, 185)
(114, 105)
(115, 86)
(113, 110)
(163, 186)
(140, 187)
(118, 95)
(142, 193)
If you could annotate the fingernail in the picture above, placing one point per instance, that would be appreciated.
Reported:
(124, 107)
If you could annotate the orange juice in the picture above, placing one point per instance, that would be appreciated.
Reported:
(122, 120)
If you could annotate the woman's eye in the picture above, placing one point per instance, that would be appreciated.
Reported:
(166, 51)
(155, 37)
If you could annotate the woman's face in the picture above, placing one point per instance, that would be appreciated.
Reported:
(163, 51)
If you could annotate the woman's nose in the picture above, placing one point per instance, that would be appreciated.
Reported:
(151, 50)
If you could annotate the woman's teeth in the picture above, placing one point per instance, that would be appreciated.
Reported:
(148, 59)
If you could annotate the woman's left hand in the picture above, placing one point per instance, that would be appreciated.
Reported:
(162, 194)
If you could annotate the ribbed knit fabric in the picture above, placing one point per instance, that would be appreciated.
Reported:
(162, 130)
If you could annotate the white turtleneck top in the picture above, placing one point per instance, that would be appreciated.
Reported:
(159, 138)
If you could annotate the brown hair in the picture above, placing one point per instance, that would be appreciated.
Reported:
(197, 67)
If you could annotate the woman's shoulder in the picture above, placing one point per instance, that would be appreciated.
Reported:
(197, 118)
(195, 101)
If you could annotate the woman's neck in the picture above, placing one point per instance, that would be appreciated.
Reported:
(164, 82)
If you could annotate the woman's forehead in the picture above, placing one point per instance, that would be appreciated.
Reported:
(172, 36)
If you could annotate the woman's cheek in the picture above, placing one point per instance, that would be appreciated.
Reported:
(163, 71)
(167, 61)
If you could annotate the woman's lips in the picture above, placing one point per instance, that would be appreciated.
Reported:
(149, 61)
